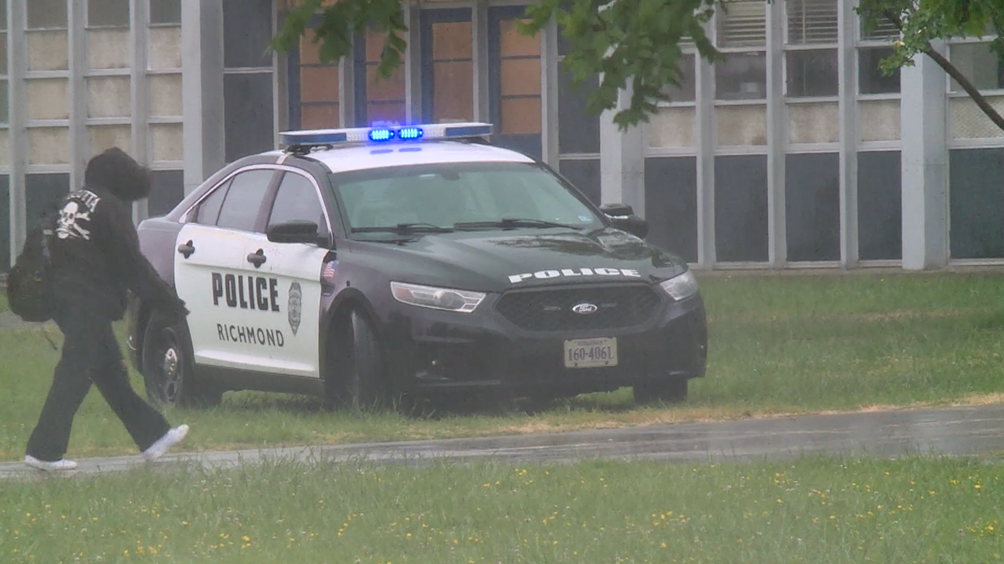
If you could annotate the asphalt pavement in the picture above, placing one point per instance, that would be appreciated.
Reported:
(961, 431)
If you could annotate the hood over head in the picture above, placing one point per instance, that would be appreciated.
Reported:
(116, 171)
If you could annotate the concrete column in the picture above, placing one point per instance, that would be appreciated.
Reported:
(139, 11)
(17, 135)
(925, 165)
(549, 94)
(777, 125)
(846, 55)
(202, 93)
(479, 34)
(79, 140)
(622, 159)
(413, 64)
(280, 85)
(347, 90)
(705, 123)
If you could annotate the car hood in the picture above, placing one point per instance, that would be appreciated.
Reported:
(496, 261)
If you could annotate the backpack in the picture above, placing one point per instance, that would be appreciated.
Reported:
(29, 284)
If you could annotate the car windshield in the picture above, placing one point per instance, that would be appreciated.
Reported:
(460, 196)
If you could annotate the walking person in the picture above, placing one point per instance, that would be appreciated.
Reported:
(96, 259)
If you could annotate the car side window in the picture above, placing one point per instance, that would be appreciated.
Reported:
(297, 201)
(244, 200)
(209, 209)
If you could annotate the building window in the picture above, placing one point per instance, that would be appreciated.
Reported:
(47, 14)
(108, 13)
(317, 107)
(743, 76)
(447, 65)
(742, 23)
(377, 99)
(519, 81)
(686, 92)
(811, 48)
(885, 31)
(871, 79)
(979, 64)
(165, 12)
(741, 34)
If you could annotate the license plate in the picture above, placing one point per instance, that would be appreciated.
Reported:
(590, 353)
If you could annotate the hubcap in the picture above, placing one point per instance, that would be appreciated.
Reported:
(171, 369)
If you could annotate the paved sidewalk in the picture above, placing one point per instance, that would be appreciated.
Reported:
(10, 321)
(962, 431)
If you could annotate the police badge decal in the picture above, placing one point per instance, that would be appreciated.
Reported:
(295, 304)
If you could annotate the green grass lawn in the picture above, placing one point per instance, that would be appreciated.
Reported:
(779, 344)
(814, 510)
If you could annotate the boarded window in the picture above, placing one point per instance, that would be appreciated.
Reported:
(385, 97)
(318, 104)
(520, 81)
(452, 71)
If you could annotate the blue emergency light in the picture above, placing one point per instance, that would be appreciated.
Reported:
(305, 140)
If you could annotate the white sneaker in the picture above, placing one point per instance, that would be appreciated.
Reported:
(163, 444)
(61, 464)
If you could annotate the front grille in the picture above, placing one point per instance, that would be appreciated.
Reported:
(551, 310)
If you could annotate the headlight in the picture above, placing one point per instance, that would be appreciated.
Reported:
(681, 287)
(437, 298)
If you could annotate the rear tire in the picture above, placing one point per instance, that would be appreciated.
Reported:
(169, 369)
(667, 390)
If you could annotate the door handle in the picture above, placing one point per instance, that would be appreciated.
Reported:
(257, 259)
(186, 249)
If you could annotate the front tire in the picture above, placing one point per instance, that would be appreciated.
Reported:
(169, 368)
(357, 378)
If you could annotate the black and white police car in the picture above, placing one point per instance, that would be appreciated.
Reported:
(373, 263)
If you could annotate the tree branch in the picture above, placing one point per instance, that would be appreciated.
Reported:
(953, 72)
(966, 85)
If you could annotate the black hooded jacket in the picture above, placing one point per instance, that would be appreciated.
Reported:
(96, 255)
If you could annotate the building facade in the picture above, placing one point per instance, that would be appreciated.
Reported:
(797, 151)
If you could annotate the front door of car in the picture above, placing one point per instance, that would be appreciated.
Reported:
(208, 270)
(292, 273)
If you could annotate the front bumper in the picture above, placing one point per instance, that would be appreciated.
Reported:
(432, 350)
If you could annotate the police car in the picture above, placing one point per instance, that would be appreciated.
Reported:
(368, 264)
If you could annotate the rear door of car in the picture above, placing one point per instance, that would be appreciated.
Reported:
(224, 313)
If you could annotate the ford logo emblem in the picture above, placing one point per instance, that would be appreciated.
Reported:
(584, 308)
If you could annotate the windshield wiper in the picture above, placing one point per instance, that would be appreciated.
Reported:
(512, 223)
(404, 229)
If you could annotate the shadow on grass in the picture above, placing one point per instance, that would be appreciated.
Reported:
(437, 408)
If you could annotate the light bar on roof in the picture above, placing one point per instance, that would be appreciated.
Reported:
(385, 133)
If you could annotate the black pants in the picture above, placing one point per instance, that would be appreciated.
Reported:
(90, 354)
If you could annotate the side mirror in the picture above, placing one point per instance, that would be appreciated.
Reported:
(293, 232)
(623, 218)
(617, 210)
